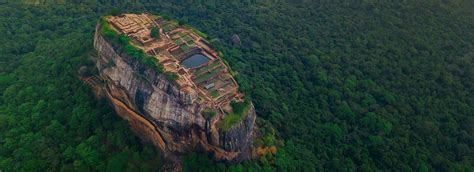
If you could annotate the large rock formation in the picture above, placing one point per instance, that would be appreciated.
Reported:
(160, 113)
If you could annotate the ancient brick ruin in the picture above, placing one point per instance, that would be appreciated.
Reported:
(182, 51)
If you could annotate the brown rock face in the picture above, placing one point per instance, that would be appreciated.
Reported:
(160, 113)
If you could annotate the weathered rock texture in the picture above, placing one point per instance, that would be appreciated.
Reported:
(160, 113)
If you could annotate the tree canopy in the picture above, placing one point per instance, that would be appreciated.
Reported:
(337, 86)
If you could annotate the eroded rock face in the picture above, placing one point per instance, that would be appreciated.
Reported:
(160, 113)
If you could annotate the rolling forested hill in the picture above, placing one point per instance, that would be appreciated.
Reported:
(337, 86)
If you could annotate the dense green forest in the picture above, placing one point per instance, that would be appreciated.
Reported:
(337, 86)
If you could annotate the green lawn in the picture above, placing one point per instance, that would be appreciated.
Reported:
(214, 93)
(204, 77)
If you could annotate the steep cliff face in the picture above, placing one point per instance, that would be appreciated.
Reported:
(160, 113)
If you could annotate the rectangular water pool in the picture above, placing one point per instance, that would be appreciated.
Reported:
(195, 61)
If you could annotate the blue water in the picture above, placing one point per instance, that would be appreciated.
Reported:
(195, 61)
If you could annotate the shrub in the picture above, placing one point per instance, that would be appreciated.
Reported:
(124, 40)
(238, 107)
(155, 33)
(106, 30)
(236, 116)
(208, 113)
